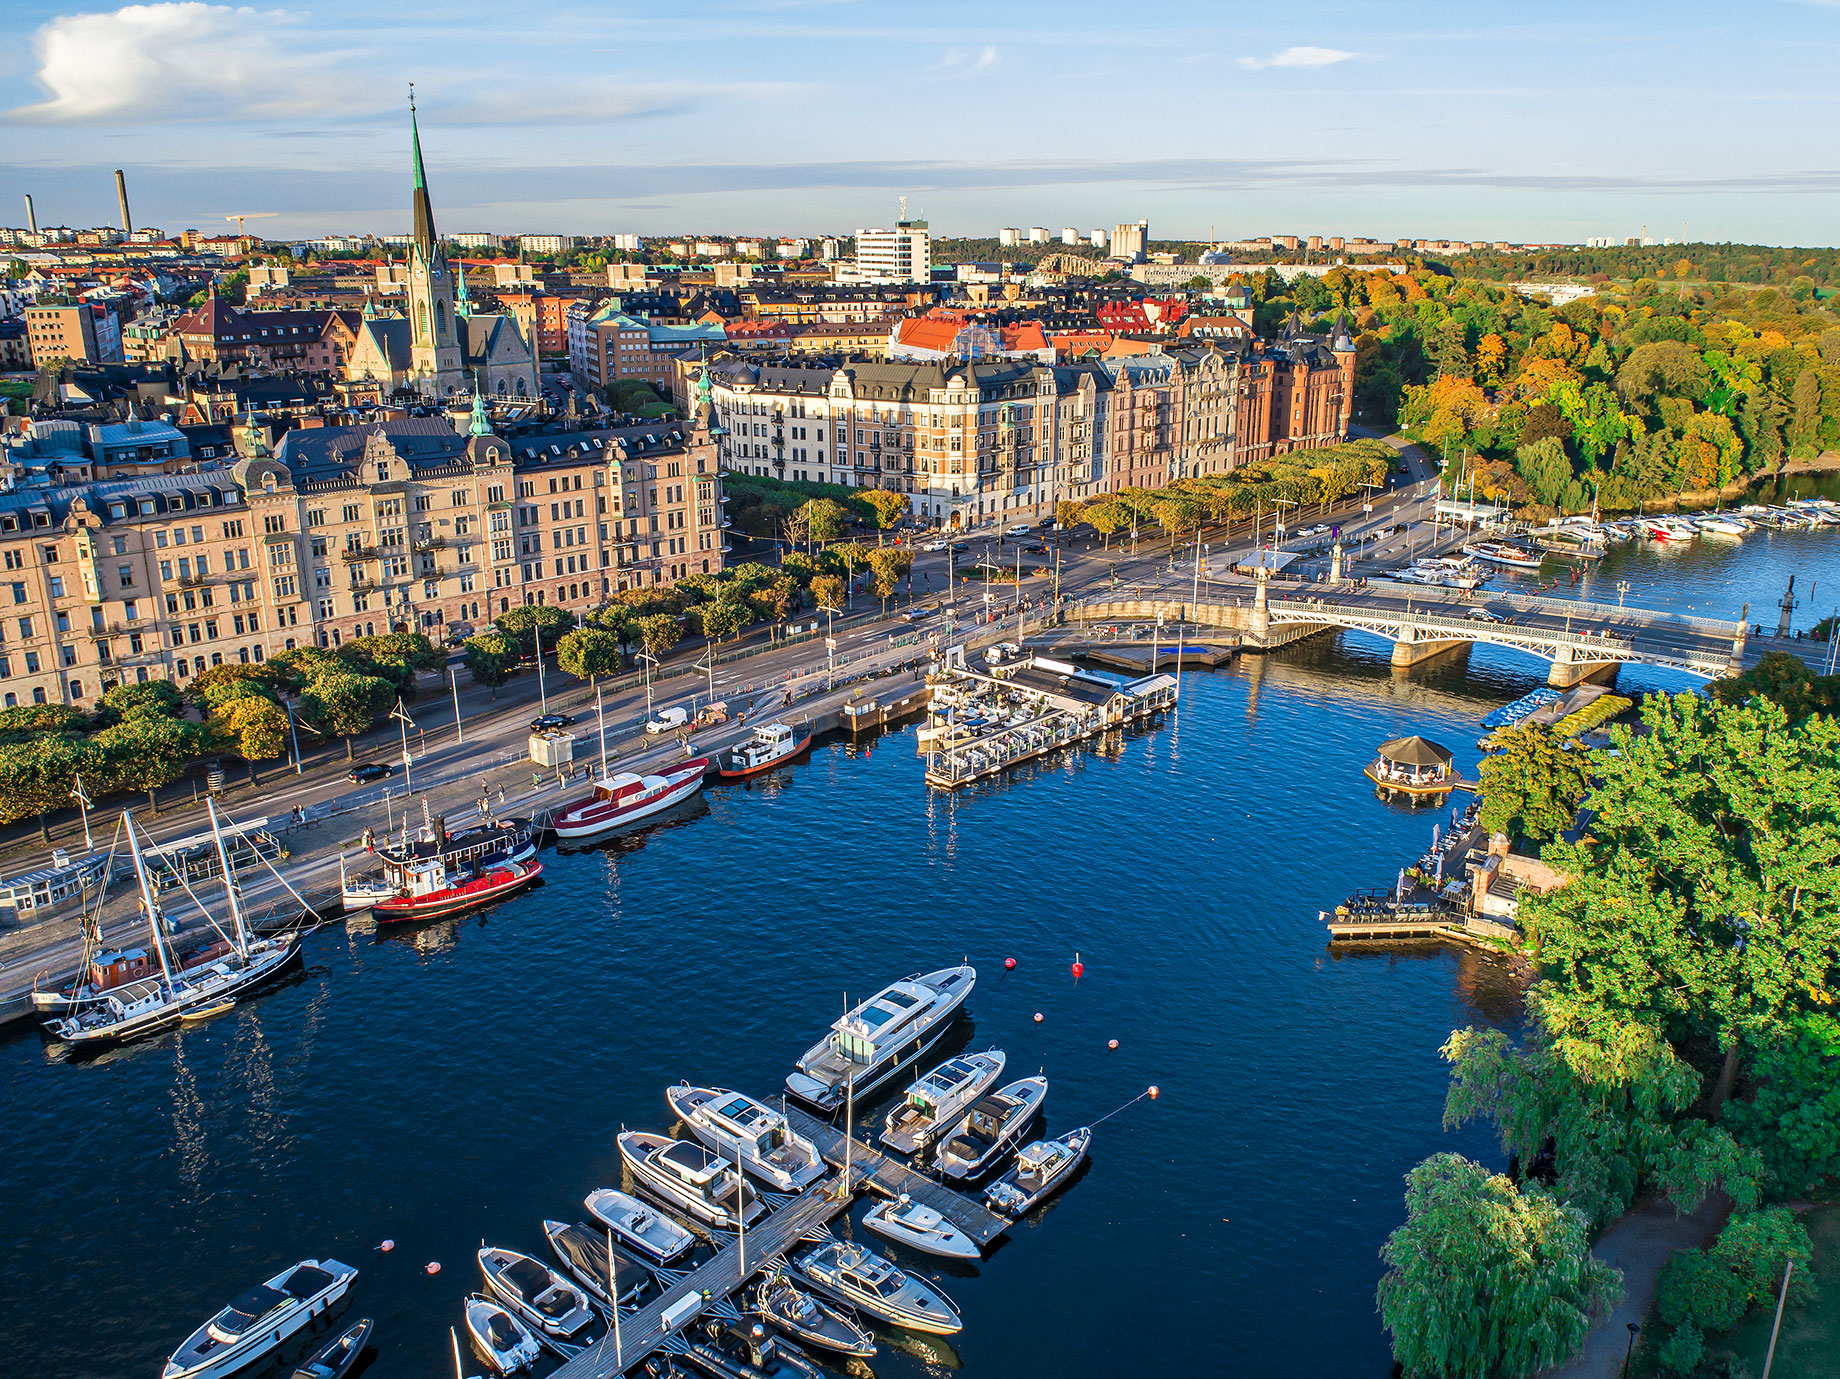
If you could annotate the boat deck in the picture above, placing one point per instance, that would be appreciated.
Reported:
(878, 1172)
(644, 1330)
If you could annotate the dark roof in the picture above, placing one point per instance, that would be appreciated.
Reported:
(1415, 751)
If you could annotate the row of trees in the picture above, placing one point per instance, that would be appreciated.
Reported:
(805, 512)
(1683, 1040)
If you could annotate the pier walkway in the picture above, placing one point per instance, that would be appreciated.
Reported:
(647, 1328)
(890, 1177)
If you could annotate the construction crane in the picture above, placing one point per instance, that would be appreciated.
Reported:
(250, 215)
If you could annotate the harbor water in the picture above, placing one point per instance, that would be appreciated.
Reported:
(462, 1081)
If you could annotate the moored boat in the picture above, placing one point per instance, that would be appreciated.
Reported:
(596, 1263)
(641, 1227)
(500, 1339)
(920, 1227)
(773, 744)
(480, 848)
(432, 891)
(846, 1271)
(807, 1319)
(535, 1294)
(1503, 553)
(880, 1036)
(749, 1132)
(625, 798)
(936, 1103)
(1041, 1170)
(747, 1350)
(335, 1357)
(994, 1125)
(257, 1322)
(688, 1175)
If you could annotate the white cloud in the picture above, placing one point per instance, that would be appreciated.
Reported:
(186, 60)
(1304, 56)
(963, 62)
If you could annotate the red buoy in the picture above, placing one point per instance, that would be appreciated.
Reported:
(434, 1267)
(1111, 1044)
(1079, 968)
(1009, 963)
(1038, 1017)
(1153, 1093)
(387, 1246)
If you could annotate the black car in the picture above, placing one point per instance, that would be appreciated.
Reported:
(551, 720)
(369, 771)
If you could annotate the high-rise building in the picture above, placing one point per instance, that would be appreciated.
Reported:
(1008, 237)
(903, 254)
(1131, 241)
(1069, 235)
(1038, 234)
(1099, 239)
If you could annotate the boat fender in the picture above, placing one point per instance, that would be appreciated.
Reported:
(1155, 1092)
(1111, 1044)
(433, 1266)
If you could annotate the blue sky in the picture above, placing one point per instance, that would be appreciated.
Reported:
(1382, 117)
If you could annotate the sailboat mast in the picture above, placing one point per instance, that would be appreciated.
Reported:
(740, 1212)
(613, 1284)
(148, 903)
(223, 857)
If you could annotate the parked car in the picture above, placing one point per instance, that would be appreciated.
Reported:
(369, 771)
(1047, 524)
(547, 721)
(667, 720)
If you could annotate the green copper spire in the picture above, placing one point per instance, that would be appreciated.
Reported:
(481, 424)
(463, 304)
(424, 209)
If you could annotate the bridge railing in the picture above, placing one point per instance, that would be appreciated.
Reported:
(1470, 629)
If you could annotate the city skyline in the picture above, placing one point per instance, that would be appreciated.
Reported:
(1419, 121)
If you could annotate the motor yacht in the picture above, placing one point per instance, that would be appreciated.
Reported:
(1504, 554)
(880, 1036)
(994, 1125)
(686, 1174)
(772, 744)
(846, 1271)
(1041, 1170)
(624, 799)
(920, 1227)
(537, 1295)
(500, 1339)
(748, 1132)
(638, 1226)
(258, 1321)
(591, 1258)
(936, 1103)
(805, 1318)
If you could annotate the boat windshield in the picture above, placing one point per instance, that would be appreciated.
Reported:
(250, 1308)
(527, 1276)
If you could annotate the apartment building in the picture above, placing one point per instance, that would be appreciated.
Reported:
(342, 532)
(82, 332)
(542, 316)
(903, 254)
(218, 332)
(610, 345)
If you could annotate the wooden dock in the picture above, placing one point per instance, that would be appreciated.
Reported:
(646, 1329)
(890, 1177)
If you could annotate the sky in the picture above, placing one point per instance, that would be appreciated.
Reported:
(1534, 121)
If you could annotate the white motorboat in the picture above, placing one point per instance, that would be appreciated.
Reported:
(919, 1227)
(937, 1102)
(1503, 553)
(261, 1319)
(880, 1036)
(499, 1338)
(771, 744)
(592, 1259)
(806, 1319)
(844, 1270)
(749, 1133)
(138, 1008)
(686, 1174)
(1719, 526)
(994, 1125)
(643, 1228)
(624, 798)
(1042, 1169)
(535, 1293)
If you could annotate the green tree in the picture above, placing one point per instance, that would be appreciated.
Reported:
(828, 591)
(724, 619)
(818, 520)
(209, 688)
(775, 602)
(147, 750)
(1106, 518)
(491, 659)
(1805, 413)
(887, 564)
(1784, 680)
(253, 726)
(1712, 1289)
(1450, 350)
(522, 625)
(1794, 1116)
(1485, 1281)
(153, 696)
(659, 633)
(1534, 784)
(588, 652)
(344, 705)
(36, 777)
(1706, 901)
(1176, 515)
(45, 718)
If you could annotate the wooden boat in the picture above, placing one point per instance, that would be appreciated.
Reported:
(434, 892)
(773, 744)
(195, 1014)
(500, 1339)
(643, 1228)
(625, 799)
(920, 1227)
(846, 1271)
(1502, 553)
(936, 1103)
(1041, 1170)
(258, 1321)
(994, 1126)
(334, 1359)
(805, 1318)
(535, 1294)
(478, 848)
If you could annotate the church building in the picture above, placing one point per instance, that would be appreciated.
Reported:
(440, 346)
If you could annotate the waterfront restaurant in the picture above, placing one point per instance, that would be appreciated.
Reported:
(1414, 767)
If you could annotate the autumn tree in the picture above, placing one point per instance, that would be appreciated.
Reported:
(147, 750)
(887, 564)
(828, 591)
(724, 619)
(250, 724)
(1106, 518)
(885, 506)
(659, 633)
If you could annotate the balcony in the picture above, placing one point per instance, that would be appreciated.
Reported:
(351, 553)
(431, 543)
(192, 581)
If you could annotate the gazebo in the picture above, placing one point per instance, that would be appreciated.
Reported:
(1414, 767)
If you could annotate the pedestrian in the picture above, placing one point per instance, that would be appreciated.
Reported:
(501, 794)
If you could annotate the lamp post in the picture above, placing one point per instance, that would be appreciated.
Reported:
(454, 685)
(542, 694)
(82, 800)
(830, 644)
(406, 723)
(293, 736)
(1630, 1349)
(650, 661)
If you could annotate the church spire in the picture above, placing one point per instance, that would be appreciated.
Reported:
(424, 209)
(481, 424)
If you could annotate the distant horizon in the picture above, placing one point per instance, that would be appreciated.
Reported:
(1420, 118)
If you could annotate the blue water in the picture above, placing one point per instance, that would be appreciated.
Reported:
(466, 1080)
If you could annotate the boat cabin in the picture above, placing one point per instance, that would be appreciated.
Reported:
(1042, 1161)
(618, 788)
(880, 1020)
(937, 1086)
(747, 1119)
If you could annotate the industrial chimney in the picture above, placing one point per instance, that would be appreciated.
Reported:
(121, 195)
(31, 216)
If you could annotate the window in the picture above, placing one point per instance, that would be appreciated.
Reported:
(284, 586)
(57, 587)
(50, 554)
(19, 592)
(274, 522)
(15, 560)
(351, 512)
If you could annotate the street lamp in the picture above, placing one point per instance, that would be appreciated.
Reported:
(402, 717)
(650, 661)
(830, 644)
(1631, 1348)
(1622, 588)
(82, 800)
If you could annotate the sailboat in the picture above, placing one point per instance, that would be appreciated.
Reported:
(152, 1003)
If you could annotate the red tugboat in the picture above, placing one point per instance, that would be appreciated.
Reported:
(772, 745)
(432, 889)
(625, 798)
